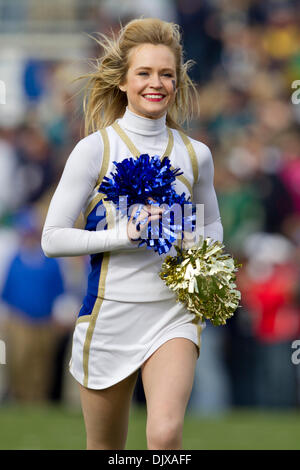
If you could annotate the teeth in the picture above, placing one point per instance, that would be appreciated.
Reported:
(153, 96)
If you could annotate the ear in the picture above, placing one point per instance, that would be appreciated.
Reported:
(123, 88)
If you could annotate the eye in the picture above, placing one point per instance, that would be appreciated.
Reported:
(165, 74)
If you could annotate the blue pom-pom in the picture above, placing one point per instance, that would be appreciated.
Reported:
(139, 179)
(179, 215)
(146, 180)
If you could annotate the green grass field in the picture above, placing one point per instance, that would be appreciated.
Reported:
(58, 427)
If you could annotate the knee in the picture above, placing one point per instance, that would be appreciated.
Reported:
(164, 434)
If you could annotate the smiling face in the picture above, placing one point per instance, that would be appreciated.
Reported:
(150, 80)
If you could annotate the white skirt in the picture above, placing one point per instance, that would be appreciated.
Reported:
(114, 341)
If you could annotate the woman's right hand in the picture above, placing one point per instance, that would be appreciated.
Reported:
(137, 225)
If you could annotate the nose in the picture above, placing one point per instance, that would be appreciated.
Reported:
(155, 81)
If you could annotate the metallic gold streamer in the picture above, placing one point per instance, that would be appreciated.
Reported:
(203, 278)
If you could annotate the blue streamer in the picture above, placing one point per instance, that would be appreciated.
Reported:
(137, 180)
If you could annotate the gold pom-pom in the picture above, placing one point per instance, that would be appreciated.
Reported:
(203, 278)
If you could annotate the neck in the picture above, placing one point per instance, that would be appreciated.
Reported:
(142, 125)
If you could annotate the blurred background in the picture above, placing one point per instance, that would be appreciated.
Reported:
(247, 64)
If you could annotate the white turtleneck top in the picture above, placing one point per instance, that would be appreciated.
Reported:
(79, 178)
(131, 272)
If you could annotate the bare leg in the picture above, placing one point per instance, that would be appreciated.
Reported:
(168, 377)
(106, 414)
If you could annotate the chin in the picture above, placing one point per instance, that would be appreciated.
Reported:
(151, 110)
(154, 113)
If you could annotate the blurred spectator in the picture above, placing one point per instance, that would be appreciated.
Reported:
(290, 170)
(8, 246)
(201, 39)
(35, 79)
(257, 13)
(8, 164)
(282, 36)
(129, 9)
(12, 11)
(211, 394)
(240, 207)
(269, 286)
(63, 318)
(35, 163)
(33, 282)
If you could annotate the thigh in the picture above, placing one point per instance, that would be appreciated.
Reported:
(106, 414)
(168, 377)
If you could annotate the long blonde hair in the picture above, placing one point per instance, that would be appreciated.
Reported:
(103, 100)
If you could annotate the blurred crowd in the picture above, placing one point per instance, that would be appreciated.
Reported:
(247, 63)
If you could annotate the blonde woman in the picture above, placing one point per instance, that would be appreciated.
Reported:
(129, 320)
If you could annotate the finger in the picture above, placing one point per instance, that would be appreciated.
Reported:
(140, 219)
(154, 210)
(154, 217)
(138, 231)
(144, 223)
(136, 213)
(145, 210)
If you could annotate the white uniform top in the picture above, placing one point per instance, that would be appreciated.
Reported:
(131, 271)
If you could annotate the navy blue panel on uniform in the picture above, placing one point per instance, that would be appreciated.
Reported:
(88, 305)
(96, 216)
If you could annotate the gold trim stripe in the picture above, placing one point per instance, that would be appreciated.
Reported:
(83, 319)
(192, 154)
(132, 148)
(93, 319)
(104, 265)
(168, 151)
(195, 321)
(185, 182)
(92, 204)
(199, 331)
(98, 303)
(105, 162)
(103, 171)
(170, 144)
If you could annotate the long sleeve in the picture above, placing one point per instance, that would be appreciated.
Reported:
(59, 237)
(204, 193)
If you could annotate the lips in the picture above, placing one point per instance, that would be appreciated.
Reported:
(154, 96)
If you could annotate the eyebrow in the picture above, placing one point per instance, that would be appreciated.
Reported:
(149, 68)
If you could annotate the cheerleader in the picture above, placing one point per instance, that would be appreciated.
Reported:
(129, 320)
